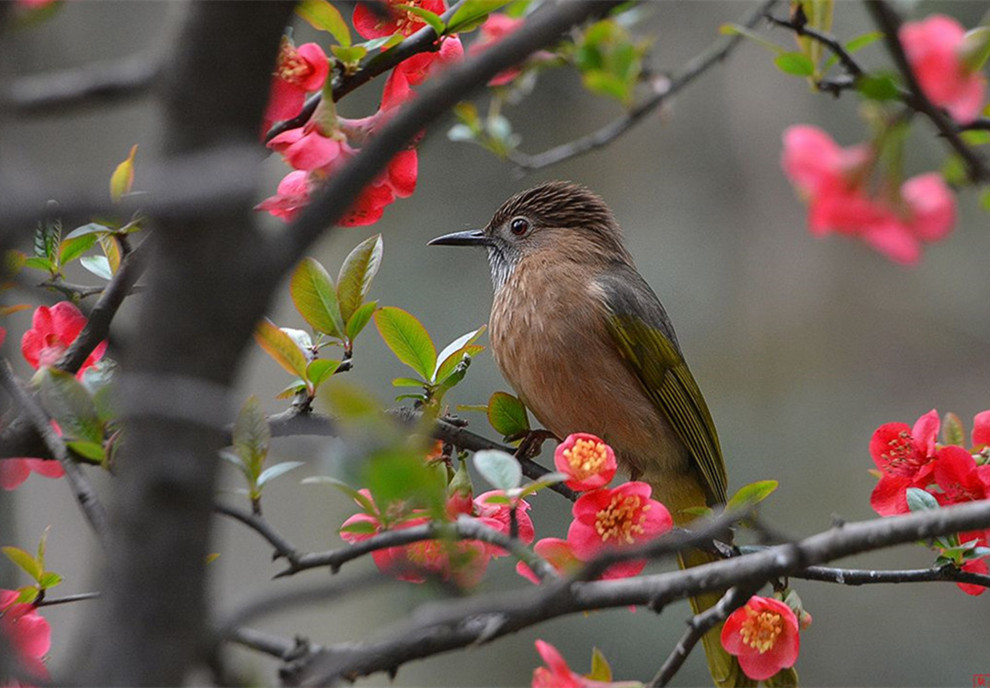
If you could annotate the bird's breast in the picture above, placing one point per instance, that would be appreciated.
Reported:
(550, 340)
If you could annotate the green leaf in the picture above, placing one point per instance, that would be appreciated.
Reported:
(236, 461)
(291, 390)
(356, 273)
(600, 669)
(278, 469)
(795, 63)
(251, 436)
(409, 382)
(349, 55)
(920, 500)
(860, 42)
(408, 339)
(976, 137)
(93, 451)
(87, 229)
(39, 263)
(954, 171)
(402, 476)
(985, 200)
(320, 370)
(98, 265)
(544, 482)
(754, 493)
(501, 470)
(367, 506)
(433, 20)
(24, 561)
(454, 352)
(952, 430)
(507, 414)
(323, 16)
(461, 132)
(383, 42)
(351, 402)
(281, 347)
(879, 87)
(313, 293)
(737, 30)
(975, 50)
(122, 178)
(73, 247)
(69, 403)
(360, 318)
(49, 579)
(471, 14)
(113, 251)
(698, 511)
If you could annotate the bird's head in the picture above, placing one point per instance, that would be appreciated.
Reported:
(557, 220)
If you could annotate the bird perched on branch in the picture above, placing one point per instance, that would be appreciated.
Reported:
(588, 347)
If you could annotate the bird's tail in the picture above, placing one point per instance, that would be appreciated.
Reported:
(725, 669)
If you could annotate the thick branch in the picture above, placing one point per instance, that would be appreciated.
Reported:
(714, 55)
(55, 93)
(453, 625)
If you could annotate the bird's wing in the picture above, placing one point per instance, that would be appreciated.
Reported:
(641, 329)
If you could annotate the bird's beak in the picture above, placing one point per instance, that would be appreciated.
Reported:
(470, 237)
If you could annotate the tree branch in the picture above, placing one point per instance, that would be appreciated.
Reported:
(55, 93)
(889, 22)
(484, 618)
(81, 488)
(715, 54)
(948, 574)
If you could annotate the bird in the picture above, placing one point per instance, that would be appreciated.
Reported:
(588, 347)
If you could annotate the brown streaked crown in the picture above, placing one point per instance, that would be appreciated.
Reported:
(562, 204)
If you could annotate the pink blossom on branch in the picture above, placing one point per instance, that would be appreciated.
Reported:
(905, 456)
(557, 674)
(587, 461)
(934, 49)
(763, 634)
(27, 633)
(53, 329)
(13, 472)
(835, 181)
(391, 17)
(298, 71)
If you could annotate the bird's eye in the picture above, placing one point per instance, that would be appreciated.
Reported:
(519, 226)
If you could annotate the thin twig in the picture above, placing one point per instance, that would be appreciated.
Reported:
(270, 644)
(715, 54)
(258, 523)
(890, 23)
(948, 574)
(67, 599)
(829, 41)
(698, 625)
(81, 488)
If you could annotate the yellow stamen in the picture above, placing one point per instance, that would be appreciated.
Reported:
(622, 519)
(586, 457)
(760, 629)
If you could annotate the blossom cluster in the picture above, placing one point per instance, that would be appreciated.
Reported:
(322, 147)
(858, 191)
(913, 458)
(53, 329)
(602, 518)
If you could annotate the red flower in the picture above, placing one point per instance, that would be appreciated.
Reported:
(370, 23)
(763, 634)
(619, 517)
(981, 429)
(297, 72)
(418, 67)
(556, 673)
(834, 179)
(495, 28)
(13, 472)
(905, 455)
(960, 478)
(974, 566)
(934, 50)
(558, 554)
(52, 331)
(291, 198)
(27, 632)
(588, 462)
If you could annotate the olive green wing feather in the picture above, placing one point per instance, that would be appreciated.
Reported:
(642, 331)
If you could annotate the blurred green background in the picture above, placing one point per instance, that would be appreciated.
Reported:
(802, 346)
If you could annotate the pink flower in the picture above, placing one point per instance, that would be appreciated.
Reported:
(619, 517)
(291, 198)
(959, 477)
(307, 148)
(835, 182)
(495, 28)
(13, 472)
(370, 24)
(297, 72)
(418, 67)
(27, 632)
(499, 516)
(905, 456)
(556, 673)
(52, 331)
(588, 462)
(934, 50)
(763, 634)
